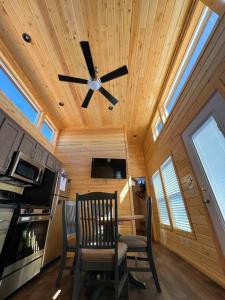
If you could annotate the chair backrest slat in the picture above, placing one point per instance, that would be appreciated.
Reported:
(96, 222)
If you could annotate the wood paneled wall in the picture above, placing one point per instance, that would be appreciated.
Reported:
(202, 250)
(75, 148)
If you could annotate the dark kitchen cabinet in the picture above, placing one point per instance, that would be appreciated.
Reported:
(28, 146)
(41, 154)
(2, 117)
(51, 162)
(10, 138)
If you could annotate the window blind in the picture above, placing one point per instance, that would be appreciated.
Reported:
(160, 198)
(176, 203)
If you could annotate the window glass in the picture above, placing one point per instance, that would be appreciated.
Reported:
(174, 196)
(47, 131)
(196, 51)
(209, 142)
(13, 93)
(160, 198)
(157, 128)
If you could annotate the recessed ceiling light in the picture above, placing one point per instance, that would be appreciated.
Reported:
(61, 103)
(110, 108)
(26, 37)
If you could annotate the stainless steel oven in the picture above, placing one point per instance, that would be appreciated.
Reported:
(24, 246)
(25, 169)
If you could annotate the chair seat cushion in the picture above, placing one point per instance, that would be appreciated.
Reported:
(104, 255)
(134, 241)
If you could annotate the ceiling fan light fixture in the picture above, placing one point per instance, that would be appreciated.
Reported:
(95, 84)
(26, 37)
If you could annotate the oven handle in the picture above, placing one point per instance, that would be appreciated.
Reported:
(38, 218)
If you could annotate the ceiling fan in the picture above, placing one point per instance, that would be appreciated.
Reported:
(94, 82)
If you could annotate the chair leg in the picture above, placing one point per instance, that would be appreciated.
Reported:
(74, 262)
(61, 269)
(125, 291)
(77, 280)
(153, 269)
(116, 278)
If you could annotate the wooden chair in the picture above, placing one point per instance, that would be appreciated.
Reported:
(138, 243)
(97, 244)
(69, 236)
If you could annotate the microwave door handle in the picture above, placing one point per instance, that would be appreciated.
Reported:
(39, 176)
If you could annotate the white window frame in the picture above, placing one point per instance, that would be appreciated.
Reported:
(188, 53)
(191, 233)
(181, 195)
(155, 132)
(51, 126)
(18, 85)
(169, 226)
(41, 117)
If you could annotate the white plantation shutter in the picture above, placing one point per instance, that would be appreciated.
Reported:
(160, 198)
(174, 197)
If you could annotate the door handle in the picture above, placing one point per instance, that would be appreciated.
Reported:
(207, 201)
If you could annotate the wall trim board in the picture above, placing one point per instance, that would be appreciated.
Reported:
(211, 275)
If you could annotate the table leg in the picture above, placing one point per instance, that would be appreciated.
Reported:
(134, 281)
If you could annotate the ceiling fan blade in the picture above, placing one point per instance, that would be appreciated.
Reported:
(105, 93)
(87, 98)
(114, 74)
(88, 58)
(72, 79)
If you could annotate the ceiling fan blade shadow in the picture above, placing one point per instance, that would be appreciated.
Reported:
(87, 98)
(110, 97)
(72, 79)
(114, 74)
(88, 57)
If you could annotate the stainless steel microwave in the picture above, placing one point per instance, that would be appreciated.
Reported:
(25, 169)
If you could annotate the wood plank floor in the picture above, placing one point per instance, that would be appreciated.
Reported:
(178, 279)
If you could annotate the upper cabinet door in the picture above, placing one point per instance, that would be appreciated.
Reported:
(28, 145)
(10, 138)
(40, 154)
(2, 117)
(51, 162)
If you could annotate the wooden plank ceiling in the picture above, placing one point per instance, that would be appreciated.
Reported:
(142, 34)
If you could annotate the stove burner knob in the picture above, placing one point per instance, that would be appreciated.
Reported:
(29, 210)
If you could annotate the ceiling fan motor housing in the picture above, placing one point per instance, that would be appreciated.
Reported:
(94, 84)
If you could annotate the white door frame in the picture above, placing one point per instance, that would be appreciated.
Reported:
(216, 108)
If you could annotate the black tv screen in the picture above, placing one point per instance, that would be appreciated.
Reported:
(108, 168)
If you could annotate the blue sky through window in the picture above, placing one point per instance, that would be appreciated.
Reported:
(47, 131)
(195, 55)
(13, 93)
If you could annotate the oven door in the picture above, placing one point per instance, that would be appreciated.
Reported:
(26, 241)
(26, 169)
(6, 214)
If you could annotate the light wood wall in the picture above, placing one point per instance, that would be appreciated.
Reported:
(75, 148)
(202, 249)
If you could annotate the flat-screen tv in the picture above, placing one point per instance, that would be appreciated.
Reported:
(108, 168)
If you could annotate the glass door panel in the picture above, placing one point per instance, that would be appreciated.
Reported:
(205, 142)
(209, 142)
